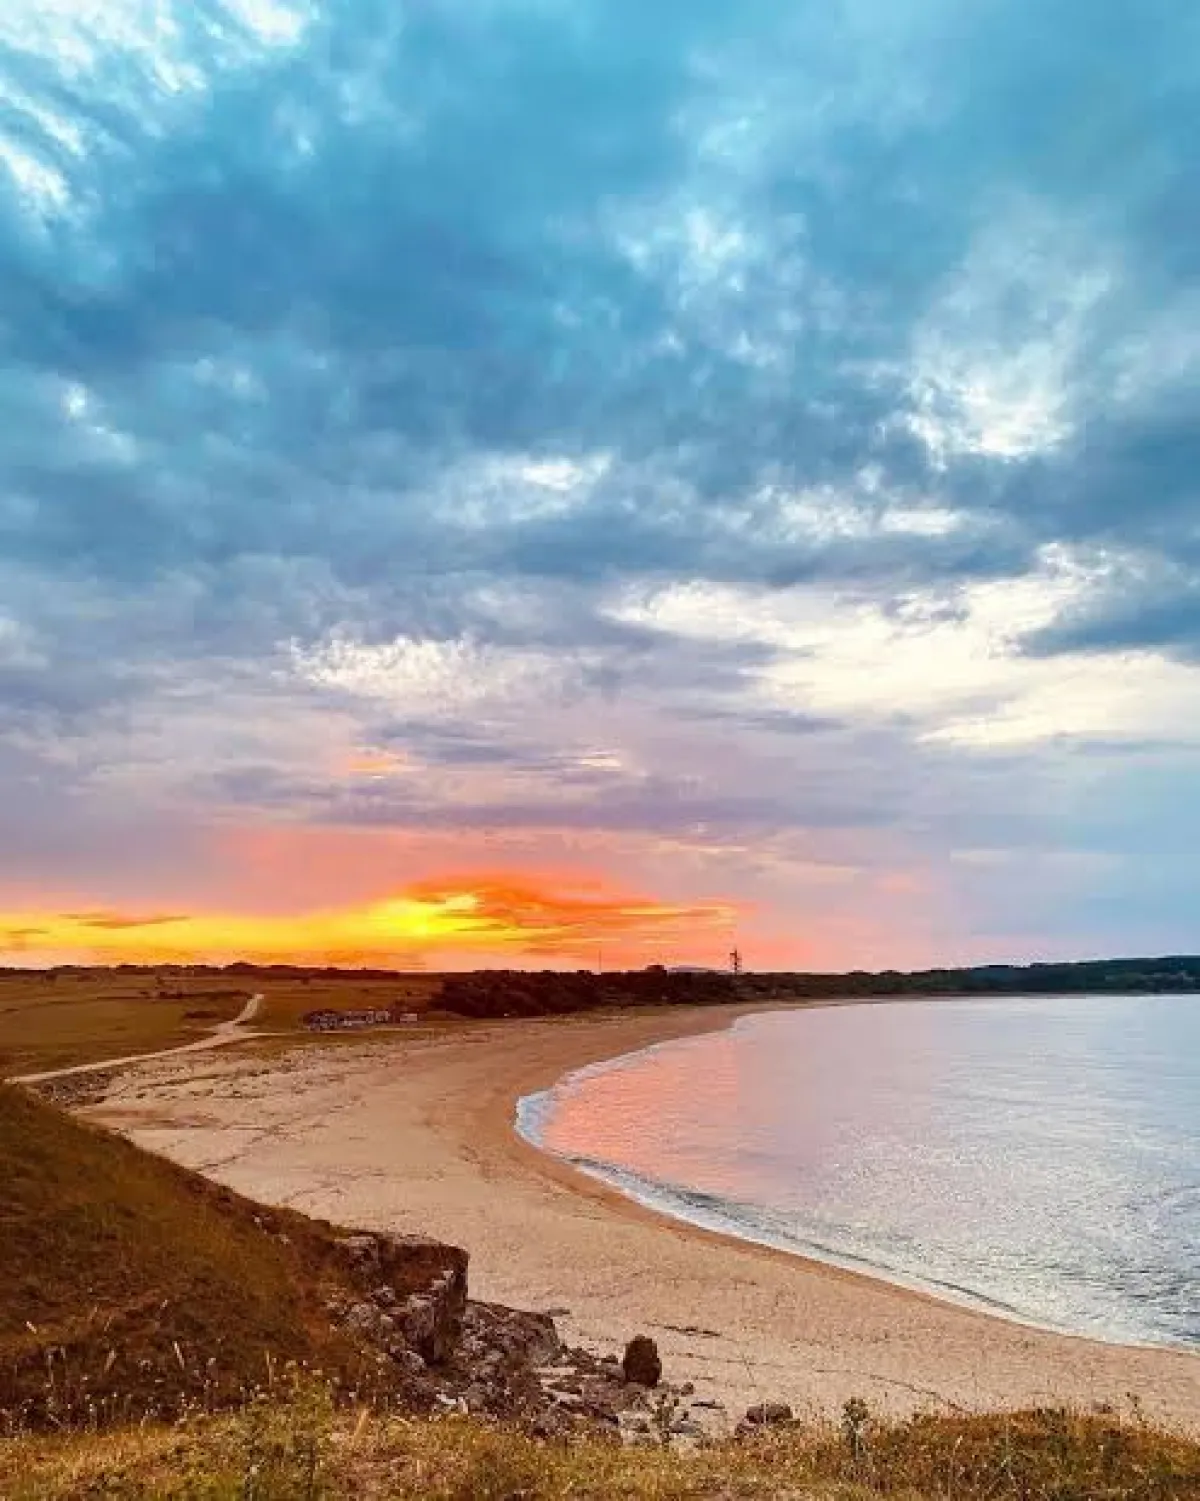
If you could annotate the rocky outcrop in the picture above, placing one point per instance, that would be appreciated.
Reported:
(405, 1298)
(414, 1294)
(409, 1304)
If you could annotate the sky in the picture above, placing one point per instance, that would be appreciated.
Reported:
(558, 482)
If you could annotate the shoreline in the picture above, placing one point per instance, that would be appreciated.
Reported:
(417, 1134)
(658, 1206)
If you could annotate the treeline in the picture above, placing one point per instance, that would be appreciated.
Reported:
(557, 993)
(1179, 974)
(499, 993)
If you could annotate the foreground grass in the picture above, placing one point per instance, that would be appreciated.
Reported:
(284, 1451)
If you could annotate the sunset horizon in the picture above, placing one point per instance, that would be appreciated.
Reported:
(716, 458)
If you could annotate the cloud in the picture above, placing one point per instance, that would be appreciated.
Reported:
(591, 419)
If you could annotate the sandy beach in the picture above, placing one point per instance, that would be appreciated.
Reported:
(413, 1132)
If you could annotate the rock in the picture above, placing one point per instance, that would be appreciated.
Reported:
(477, 1398)
(569, 1400)
(528, 1339)
(362, 1319)
(768, 1415)
(642, 1364)
(687, 1428)
(429, 1327)
(421, 1283)
(408, 1360)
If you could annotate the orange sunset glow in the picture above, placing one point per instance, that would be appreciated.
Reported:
(450, 922)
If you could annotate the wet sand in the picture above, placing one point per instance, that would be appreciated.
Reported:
(413, 1132)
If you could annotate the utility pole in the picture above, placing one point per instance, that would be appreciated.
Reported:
(735, 962)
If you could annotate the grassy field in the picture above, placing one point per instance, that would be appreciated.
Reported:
(288, 998)
(54, 1019)
(300, 1449)
(51, 1021)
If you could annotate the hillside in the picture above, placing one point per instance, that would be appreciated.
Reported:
(131, 1285)
(134, 1290)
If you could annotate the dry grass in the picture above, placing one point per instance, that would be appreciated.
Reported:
(287, 998)
(302, 1448)
(53, 1021)
(131, 1286)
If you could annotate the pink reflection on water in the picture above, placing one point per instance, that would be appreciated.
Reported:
(732, 1116)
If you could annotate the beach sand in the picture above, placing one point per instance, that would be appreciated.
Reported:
(414, 1133)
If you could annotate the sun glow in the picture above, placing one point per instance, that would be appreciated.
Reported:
(452, 920)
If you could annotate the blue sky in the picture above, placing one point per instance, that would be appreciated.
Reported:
(727, 455)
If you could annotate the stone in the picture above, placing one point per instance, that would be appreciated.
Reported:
(768, 1415)
(362, 1319)
(687, 1428)
(642, 1364)
(408, 1360)
(477, 1398)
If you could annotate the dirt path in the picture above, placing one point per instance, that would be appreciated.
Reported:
(221, 1036)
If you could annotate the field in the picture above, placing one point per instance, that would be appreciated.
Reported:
(57, 1018)
(54, 1020)
(289, 997)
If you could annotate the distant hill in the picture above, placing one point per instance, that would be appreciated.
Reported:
(1178, 973)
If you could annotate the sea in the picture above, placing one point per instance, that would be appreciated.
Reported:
(1038, 1158)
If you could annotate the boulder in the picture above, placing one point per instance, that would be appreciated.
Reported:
(514, 1336)
(642, 1364)
(768, 1414)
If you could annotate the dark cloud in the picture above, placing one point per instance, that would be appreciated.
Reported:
(297, 297)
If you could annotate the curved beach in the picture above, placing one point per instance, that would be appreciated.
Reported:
(414, 1132)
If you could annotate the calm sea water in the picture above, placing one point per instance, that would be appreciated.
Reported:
(1037, 1157)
